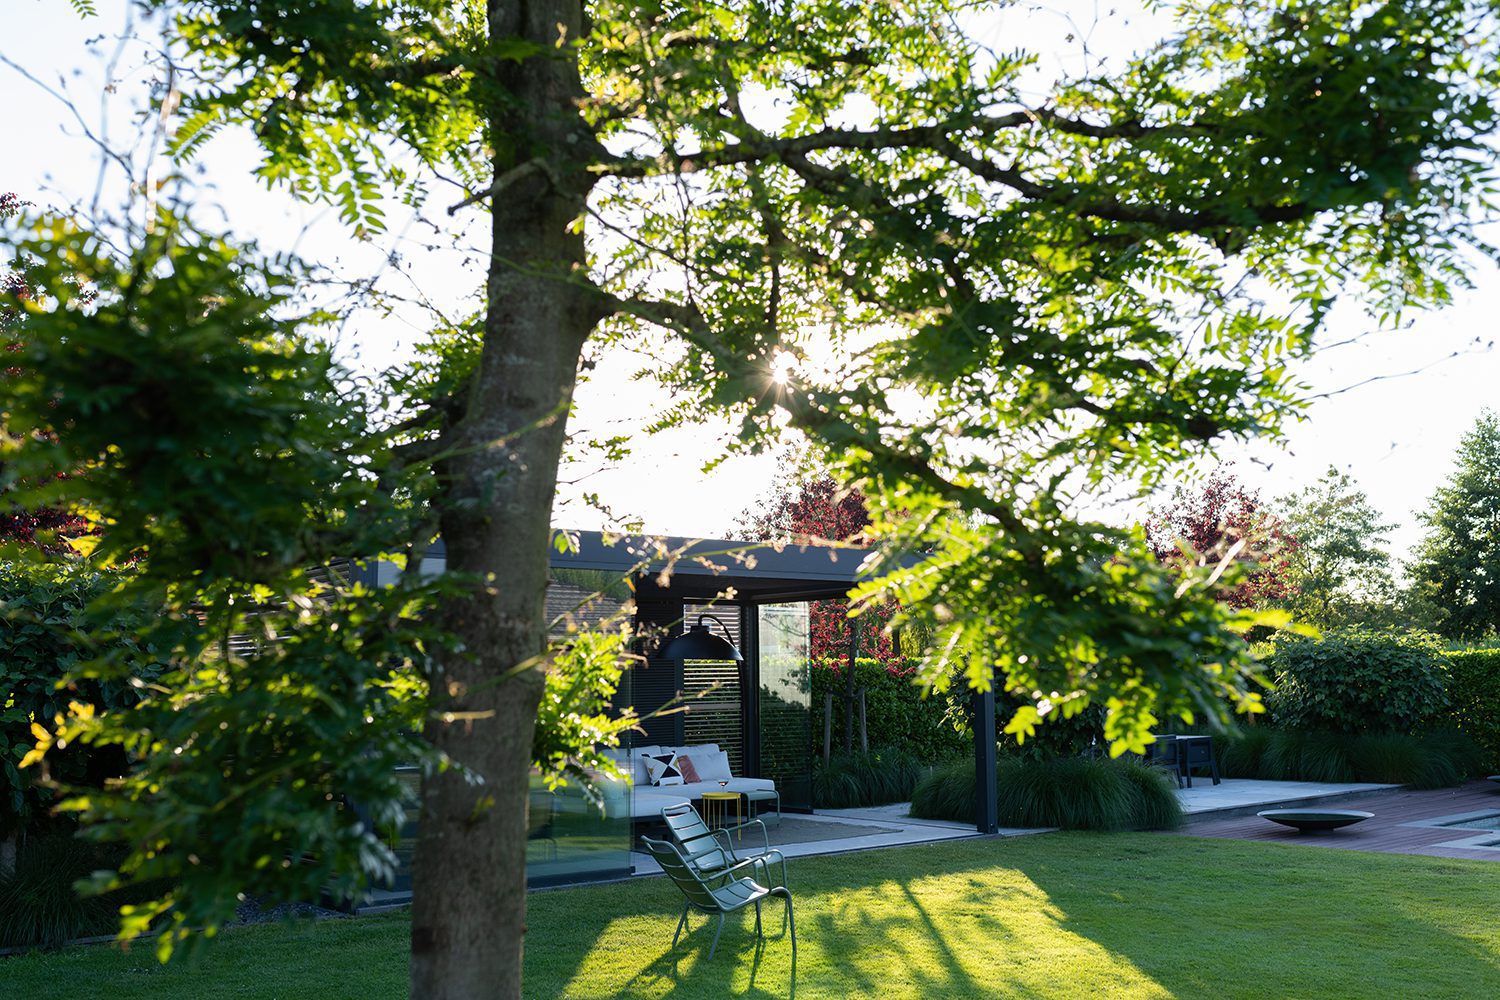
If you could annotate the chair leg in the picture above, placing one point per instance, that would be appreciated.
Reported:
(680, 924)
(758, 932)
(791, 923)
(713, 947)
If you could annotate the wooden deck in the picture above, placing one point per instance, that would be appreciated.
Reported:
(1387, 832)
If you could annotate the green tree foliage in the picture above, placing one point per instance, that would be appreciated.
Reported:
(1359, 681)
(262, 696)
(1339, 570)
(1456, 569)
(1035, 294)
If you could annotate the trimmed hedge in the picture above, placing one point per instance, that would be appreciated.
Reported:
(1075, 793)
(1474, 693)
(1358, 681)
(1428, 760)
(866, 779)
(896, 714)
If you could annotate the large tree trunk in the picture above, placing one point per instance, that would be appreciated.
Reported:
(469, 873)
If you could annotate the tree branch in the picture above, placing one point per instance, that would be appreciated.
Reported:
(802, 409)
(507, 180)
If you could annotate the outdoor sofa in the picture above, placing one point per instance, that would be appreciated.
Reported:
(649, 799)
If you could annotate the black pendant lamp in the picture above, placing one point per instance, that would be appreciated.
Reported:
(699, 643)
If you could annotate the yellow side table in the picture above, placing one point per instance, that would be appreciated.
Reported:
(716, 807)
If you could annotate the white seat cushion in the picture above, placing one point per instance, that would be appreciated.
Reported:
(648, 802)
(735, 785)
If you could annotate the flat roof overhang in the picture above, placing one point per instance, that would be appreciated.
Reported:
(706, 568)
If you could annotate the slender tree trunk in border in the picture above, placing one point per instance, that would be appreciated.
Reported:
(849, 687)
(469, 895)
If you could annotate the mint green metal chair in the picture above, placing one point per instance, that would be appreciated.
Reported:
(730, 895)
(711, 852)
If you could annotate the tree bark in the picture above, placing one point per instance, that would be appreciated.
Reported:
(469, 872)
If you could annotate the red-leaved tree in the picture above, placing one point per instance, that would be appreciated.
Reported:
(820, 509)
(46, 527)
(1210, 520)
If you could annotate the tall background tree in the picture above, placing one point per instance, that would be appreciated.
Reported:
(1339, 570)
(1455, 571)
(1034, 295)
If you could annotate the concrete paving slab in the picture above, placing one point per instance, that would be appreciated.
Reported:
(1236, 795)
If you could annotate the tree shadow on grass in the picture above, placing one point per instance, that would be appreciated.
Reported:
(1058, 915)
(688, 967)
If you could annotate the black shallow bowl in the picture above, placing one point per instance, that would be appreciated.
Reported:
(1308, 820)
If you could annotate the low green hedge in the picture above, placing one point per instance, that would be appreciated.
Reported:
(1474, 692)
(1073, 793)
(876, 778)
(1427, 760)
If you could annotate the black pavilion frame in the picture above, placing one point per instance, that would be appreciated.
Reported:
(743, 576)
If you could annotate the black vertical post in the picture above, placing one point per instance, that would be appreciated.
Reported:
(849, 686)
(986, 806)
(750, 688)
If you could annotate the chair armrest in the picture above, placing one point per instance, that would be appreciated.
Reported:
(764, 836)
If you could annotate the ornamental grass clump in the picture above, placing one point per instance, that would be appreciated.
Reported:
(1439, 759)
(875, 778)
(38, 905)
(1072, 793)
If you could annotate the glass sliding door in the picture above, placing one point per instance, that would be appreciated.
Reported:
(785, 701)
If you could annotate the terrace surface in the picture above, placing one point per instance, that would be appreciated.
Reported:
(1404, 823)
(836, 831)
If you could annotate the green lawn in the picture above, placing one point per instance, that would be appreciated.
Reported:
(1057, 915)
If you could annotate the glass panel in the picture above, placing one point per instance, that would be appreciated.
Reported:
(569, 839)
(785, 702)
(571, 836)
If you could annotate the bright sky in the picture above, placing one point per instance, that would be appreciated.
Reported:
(1396, 436)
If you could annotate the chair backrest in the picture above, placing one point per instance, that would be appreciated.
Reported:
(683, 874)
(1163, 751)
(700, 848)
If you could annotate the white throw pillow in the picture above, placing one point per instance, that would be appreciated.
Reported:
(712, 766)
(663, 769)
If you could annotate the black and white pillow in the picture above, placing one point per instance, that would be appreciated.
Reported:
(663, 769)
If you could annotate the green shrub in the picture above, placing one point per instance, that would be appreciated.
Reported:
(43, 614)
(1358, 681)
(866, 779)
(896, 714)
(1474, 691)
(1074, 793)
(1427, 760)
